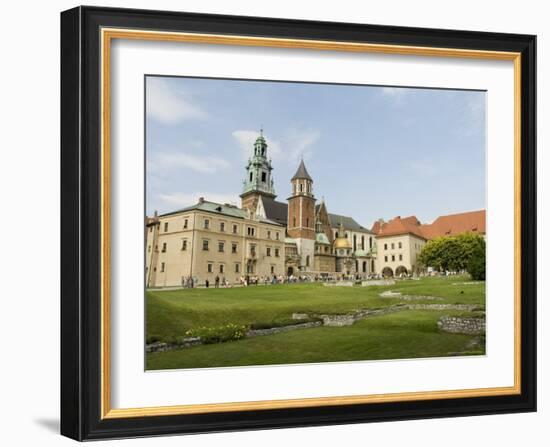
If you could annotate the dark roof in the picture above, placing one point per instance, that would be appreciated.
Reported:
(277, 211)
(349, 223)
(219, 208)
(302, 172)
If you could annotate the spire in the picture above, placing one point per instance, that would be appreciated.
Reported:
(302, 173)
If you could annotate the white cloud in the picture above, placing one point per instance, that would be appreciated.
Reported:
(182, 199)
(293, 144)
(169, 105)
(182, 160)
(394, 91)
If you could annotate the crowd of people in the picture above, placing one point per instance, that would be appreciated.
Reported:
(190, 282)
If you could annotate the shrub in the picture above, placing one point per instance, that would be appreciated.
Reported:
(152, 339)
(476, 266)
(220, 334)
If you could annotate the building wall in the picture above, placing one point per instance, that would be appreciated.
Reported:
(356, 238)
(301, 217)
(400, 250)
(325, 263)
(208, 251)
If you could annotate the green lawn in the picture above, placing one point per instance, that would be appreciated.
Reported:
(406, 334)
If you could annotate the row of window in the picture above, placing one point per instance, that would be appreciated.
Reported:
(250, 231)
(392, 258)
(221, 247)
(399, 245)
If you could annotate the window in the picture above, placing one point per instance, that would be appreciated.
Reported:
(165, 227)
(221, 246)
(164, 247)
(264, 177)
(251, 231)
(222, 268)
(222, 226)
(205, 245)
(268, 251)
(184, 244)
(393, 257)
(206, 224)
(150, 229)
(307, 222)
(253, 249)
(385, 246)
(233, 247)
(251, 176)
(370, 242)
(277, 235)
(237, 268)
(307, 261)
(293, 221)
(276, 252)
(148, 248)
(185, 223)
(294, 188)
(210, 267)
(400, 245)
(392, 246)
(400, 257)
(301, 187)
(385, 258)
(235, 229)
(268, 234)
(272, 269)
(162, 266)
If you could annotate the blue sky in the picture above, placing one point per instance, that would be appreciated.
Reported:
(372, 151)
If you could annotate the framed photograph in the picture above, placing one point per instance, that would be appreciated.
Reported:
(275, 223)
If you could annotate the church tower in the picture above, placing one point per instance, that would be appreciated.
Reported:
(301, 216)
(258, 181)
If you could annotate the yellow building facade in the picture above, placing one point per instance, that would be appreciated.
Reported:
(210, 240)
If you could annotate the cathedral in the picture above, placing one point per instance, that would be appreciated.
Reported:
(316, 241)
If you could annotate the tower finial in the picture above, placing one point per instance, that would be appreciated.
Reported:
(261, 130)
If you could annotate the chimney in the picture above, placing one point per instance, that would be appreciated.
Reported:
(201, 199)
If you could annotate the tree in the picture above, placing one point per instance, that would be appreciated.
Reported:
(456, 253)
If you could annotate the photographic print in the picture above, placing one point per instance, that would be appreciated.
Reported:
(292, 222)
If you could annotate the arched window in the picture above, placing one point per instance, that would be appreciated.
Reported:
(251, 176)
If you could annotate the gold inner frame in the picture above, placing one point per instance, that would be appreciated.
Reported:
(107, 35)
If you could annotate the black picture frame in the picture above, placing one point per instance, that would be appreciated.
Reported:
(81, 223)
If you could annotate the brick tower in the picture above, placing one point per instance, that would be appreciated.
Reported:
(301, 216)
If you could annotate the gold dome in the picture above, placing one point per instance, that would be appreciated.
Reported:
(342, 242)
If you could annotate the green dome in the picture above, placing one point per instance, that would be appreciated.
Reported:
(321, 238)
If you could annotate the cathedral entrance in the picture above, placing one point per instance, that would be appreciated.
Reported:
(290, 271)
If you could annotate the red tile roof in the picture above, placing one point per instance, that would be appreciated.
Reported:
(398, 225)
(453, 224)
(450, 225)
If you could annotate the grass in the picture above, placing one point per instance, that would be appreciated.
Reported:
(407, 334)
